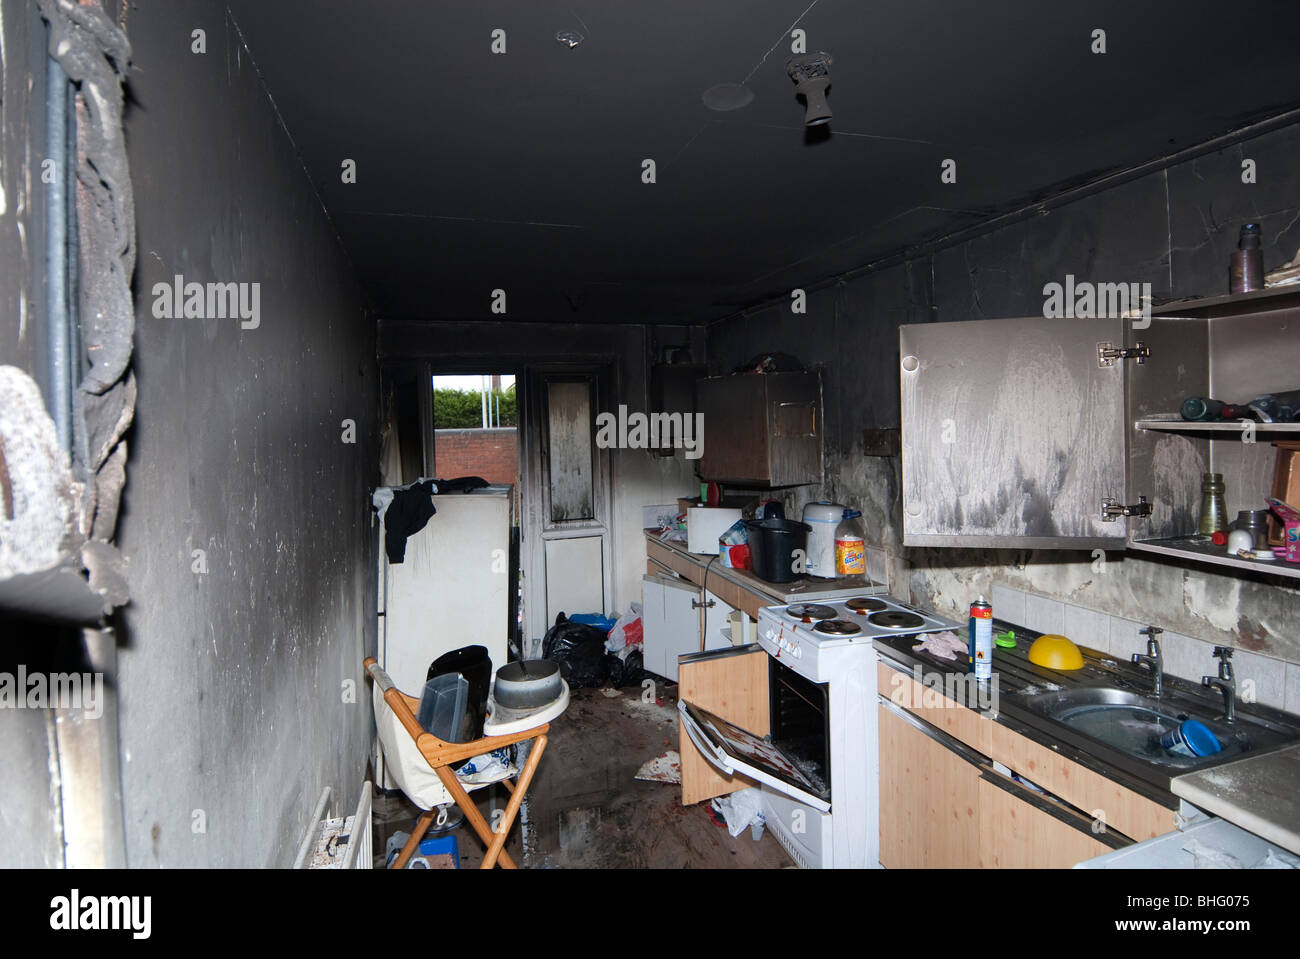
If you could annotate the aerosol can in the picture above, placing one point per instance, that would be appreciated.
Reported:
(981, 639)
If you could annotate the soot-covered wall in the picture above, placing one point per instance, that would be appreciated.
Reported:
(1173, 228)
(254, 449)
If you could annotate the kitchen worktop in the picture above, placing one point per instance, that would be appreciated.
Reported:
(1258, 792)
(1261, 794)
(804, 588)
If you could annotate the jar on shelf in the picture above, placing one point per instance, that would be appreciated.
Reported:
(1214, 509)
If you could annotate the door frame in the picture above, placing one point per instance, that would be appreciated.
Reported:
(536, 528)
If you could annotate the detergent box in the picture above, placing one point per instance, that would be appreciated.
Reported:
(1290, 518)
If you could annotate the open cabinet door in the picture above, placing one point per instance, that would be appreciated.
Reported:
(1013, 433)
(733, 684)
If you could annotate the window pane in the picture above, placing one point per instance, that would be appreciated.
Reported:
(569, 441)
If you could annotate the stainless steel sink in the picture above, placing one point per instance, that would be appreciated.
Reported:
(1133, 724)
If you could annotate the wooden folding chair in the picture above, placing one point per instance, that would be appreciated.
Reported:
(413, 756)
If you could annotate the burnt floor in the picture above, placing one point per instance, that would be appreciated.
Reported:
(586, 811)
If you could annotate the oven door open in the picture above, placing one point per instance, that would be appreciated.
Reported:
(735, 751)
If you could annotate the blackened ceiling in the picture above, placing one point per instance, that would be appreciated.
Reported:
(522, 171)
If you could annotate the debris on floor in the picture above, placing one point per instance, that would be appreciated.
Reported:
(611, 693)
(741, 809)
(662, 769)
(585, 809)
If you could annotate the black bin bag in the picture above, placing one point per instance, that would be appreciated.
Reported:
(579, 651)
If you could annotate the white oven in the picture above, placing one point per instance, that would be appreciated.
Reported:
(819, 767)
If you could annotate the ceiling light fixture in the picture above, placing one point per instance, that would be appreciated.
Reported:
(811, 74)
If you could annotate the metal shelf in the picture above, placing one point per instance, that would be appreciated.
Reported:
(1269, 298)
(1202, 550)
(1176, 424)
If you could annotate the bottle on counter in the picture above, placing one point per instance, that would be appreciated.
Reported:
(850, 545)
(981, 639)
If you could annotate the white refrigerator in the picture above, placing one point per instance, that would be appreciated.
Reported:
(451, 590)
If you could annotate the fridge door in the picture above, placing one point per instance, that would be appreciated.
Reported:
(736, 751)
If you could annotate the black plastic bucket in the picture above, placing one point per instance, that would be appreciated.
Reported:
(772, 546)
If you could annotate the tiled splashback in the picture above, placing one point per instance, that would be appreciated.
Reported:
(1276, 683)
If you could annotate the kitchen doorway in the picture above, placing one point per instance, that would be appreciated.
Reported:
(566, 481)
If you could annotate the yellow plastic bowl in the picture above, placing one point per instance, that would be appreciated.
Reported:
(1053, 651)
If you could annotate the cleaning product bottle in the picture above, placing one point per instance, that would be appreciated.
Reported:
(981, 639)
(850, 545)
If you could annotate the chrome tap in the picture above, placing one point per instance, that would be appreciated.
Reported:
(1226, 682)
(1153, 658)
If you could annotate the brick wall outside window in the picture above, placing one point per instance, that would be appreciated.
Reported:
(490, 453)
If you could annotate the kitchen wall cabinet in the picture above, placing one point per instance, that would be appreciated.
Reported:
(763, 429)
(1064, 433)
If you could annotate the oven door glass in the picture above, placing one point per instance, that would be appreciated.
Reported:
(734, 750)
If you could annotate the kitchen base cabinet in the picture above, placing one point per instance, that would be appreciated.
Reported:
(1121, 809)
(943, 807)
(670, 619)
(1013, 834)
(732, 684)
(929, 799)
(962, 724)
(942, 804)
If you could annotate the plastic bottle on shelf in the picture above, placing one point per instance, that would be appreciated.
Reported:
(850, 545)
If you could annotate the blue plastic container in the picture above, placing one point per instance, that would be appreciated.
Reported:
(602, 623)
(1191, 737)
(441, 845)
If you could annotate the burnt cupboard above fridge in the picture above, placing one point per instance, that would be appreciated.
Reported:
(1042, 432)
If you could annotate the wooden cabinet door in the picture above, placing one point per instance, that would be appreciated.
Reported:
(1013, 834)
(929, 799)
(733, 684)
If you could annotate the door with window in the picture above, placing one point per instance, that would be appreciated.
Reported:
(567, 537)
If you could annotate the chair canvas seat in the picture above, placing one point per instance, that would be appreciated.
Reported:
(411, 771)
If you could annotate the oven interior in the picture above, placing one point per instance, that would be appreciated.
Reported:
(800, 713)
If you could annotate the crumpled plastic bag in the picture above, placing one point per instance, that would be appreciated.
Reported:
(487, 768)
(741, 809)
(626, 633)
